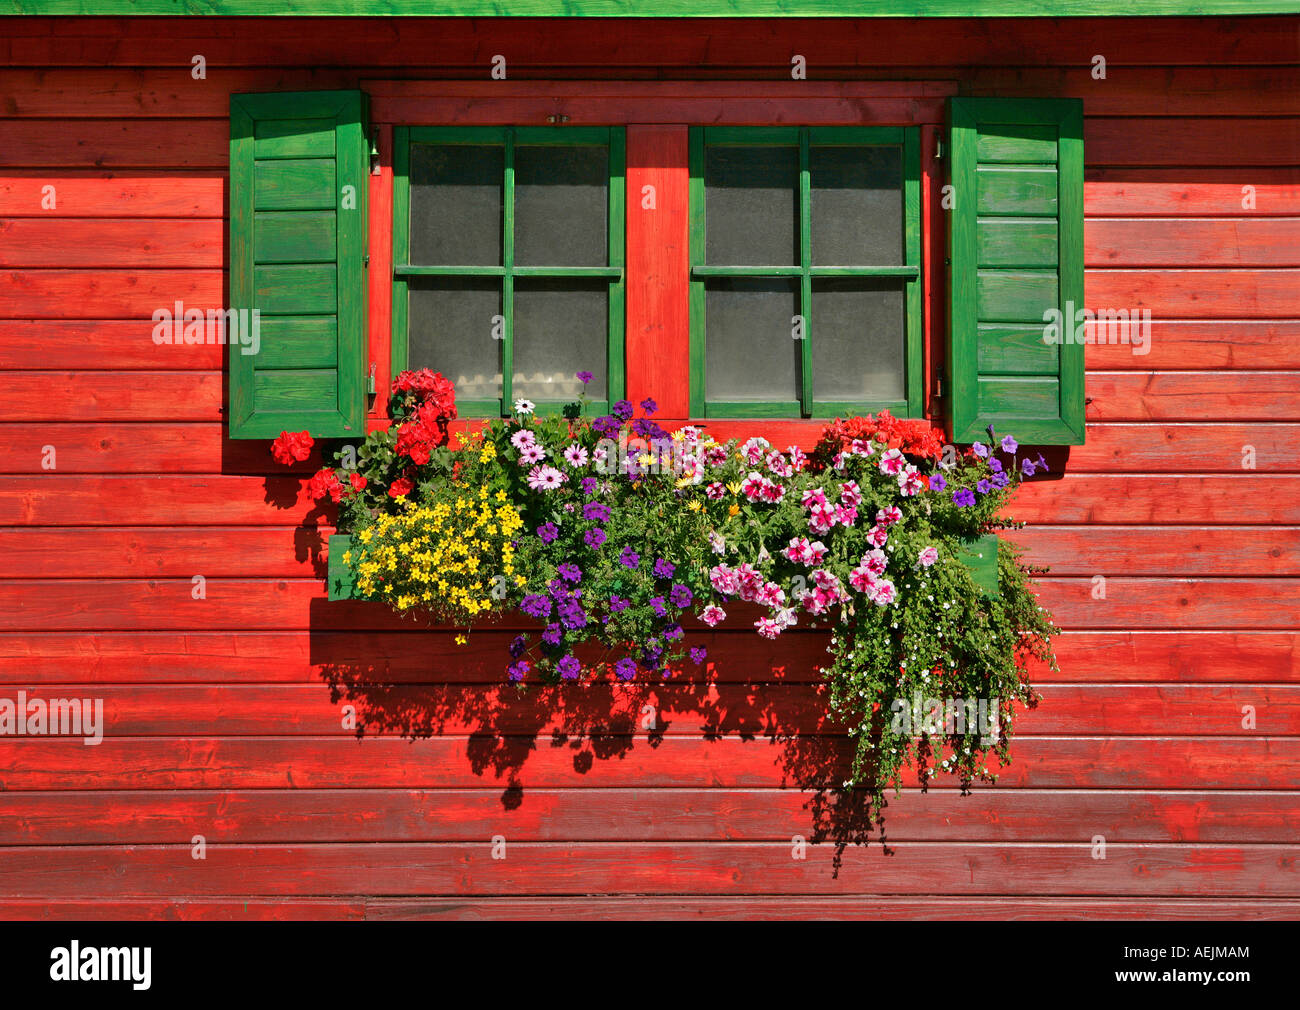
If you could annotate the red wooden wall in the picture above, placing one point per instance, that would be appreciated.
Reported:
(225, 714)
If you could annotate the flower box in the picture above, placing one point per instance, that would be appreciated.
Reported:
(981, 558)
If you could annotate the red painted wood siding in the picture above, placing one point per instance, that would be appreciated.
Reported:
(221, 719)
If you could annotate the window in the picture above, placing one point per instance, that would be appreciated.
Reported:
(805, 271)
(508, 262)
(758, 271)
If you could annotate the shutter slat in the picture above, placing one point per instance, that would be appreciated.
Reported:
(1015, 255)
(297, 246)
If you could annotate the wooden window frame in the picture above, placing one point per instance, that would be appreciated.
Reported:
(509, 137)
(907, 140)
(657, 116)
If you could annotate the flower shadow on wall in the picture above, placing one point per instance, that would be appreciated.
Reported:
(752, 718)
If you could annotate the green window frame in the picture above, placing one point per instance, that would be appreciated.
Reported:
(907, 139)
(510, 137)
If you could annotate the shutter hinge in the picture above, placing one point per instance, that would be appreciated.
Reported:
(940, 149)
(938, 383)
(371, 385)
(374, 152)
(365, 260)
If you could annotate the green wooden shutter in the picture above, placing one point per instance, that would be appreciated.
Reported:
(1016, 252)
(298, 181)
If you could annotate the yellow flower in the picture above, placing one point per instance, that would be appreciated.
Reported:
(734, 510)
(734, 488)
(694, 505)
(461, 639)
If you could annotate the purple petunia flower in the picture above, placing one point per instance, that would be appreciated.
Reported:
(569, 668)
(681, 596)
(649, 406)
(583, 377)
(625, 668)
(535, 606)
(630, 558)
(594, 538)
(1028, 468)
(518, 646)
(623, 410)
(607, 424)
(963, 497)
(518, 670)
(937, 483)
(594, 511)
(652, 650)
(569, 572)
(983, 487)
(1042, 463)
(664, 569)
(995, 464)
(1010, 445)
(552, 634)
(589, 485)
(699, 654)
(547, 532)
(673, 632)
(980, 449)
(1000, 480)
(618, 603)
(660, 607)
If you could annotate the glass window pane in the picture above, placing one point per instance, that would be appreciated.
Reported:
(751, 197)
(453, 331)
(857, 205)
(561, 206)
(750, 350)
(561, 328)
(456, 198)
(858, 339)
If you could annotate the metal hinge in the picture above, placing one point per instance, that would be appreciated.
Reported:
(938, 383)
(374, 152)
(940, 149)
(371, 389)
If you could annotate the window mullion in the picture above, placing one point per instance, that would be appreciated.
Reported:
(805, 275)
(507, 279)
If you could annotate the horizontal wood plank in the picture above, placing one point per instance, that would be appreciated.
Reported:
(114, 143)
(359, 703)
(1197, 294)
(1193, 396)
(112, 242)
(198, 656)
(1189, 242)
(650, 868)
(108, 294)
(114, 396)
(586, 815)
(165, 604)
(842, 42)
(108, 193)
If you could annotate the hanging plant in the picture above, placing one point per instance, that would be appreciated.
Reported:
(613, 531)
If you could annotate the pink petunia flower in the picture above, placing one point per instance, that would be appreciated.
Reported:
(892, 462)
(888, 515)
(928, 556)
(712, 615)
(877, 536)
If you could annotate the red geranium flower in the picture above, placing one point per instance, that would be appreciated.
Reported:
(400, 486)
(325, 482)
(291, 447)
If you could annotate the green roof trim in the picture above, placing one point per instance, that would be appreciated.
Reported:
(647, 8)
